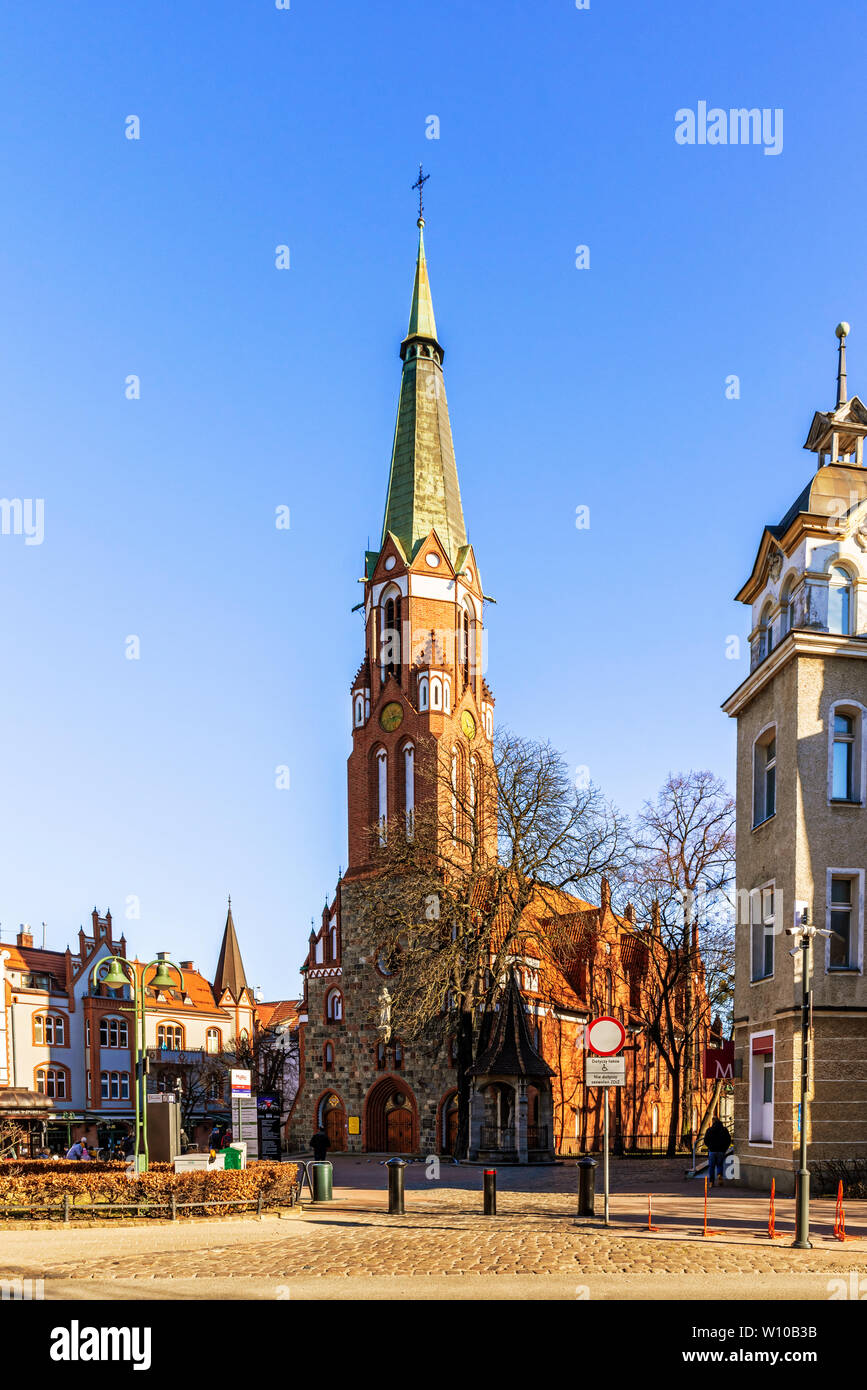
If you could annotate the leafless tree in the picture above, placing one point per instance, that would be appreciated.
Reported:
(443, 909)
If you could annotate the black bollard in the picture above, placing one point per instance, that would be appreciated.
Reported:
(587, 1187)
(490, 1192)
(395, 1168)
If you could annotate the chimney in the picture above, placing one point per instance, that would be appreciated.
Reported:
(606, 893)
(655, 923)
(187, 965)
(25, 935)
(629, 914)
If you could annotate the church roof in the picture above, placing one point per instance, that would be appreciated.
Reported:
(423, 489)
(230, 967)
(510, 1051)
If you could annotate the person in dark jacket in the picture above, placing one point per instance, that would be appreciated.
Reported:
(717, 1142)
(319, 1144)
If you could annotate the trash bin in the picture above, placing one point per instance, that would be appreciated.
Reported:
(322, 1179)
(232, 1157)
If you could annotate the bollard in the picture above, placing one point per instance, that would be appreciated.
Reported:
(174, 1206)
(395, 1168)
(587, 1187)
(490, 1192)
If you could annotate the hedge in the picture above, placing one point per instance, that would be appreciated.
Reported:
(44, 1184)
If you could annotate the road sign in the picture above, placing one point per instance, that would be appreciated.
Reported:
(605, 1071)
(240, 1082)
(605, 1036)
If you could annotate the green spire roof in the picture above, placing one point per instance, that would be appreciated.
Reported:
(423, 489)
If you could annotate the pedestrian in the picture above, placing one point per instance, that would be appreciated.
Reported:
(320, 1144)
(214, 1138)
(717, 1142)
(76, 1150)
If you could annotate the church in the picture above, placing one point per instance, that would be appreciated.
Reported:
(421, 685)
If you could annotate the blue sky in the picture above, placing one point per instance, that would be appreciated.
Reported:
(155, 778)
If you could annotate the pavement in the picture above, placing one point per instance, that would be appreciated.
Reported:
(445, 1248)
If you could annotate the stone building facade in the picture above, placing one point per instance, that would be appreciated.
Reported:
(802, 812)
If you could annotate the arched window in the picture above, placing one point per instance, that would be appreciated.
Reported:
(213, 1040)
(474, 809)
(846, 753)
(766, 633)
(465, 647)
(454, 782)
(334, 1006)
(333, 941)
(49, 1030)
(839, 600)
(423, 692)
(382, 794)
(51, 1081)
(113, 1033)
(170, 1037)
(359, 710)
(390, 639)
(786, 608)
(409, 789)
(436, 693)
(328, 1056)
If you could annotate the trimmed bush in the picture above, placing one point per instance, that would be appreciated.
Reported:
(110, 1186)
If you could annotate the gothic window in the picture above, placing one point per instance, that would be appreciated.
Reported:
(423, 692)
(765, 776)
(409, 789)
(382, 794)
(839, 600)
(359, 710)
(436, 693)
(334, 1006)
(328, 1056)
(381, 1057)
(447, 694)
(465, 646)
(391, 634)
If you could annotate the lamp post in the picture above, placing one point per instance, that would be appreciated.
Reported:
(115, 978)
(806, 931)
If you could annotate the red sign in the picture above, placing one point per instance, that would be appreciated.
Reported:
(605, 1036)
(719, 1061)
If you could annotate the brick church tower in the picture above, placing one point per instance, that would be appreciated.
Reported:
(422, 720)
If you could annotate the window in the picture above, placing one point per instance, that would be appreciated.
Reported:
(842, 945)
(762, 923)
(391, 625)
(842, 767)
(765, 777)
(787, 615)
(334, 1006)
(215, 1088)
(381, 1057)
(51, 1081)
(113, 1033)
(398, 1056)
(328, 1056)
(49, 1030)
(839, 600)
(409, 789)
(766, 633)
(170, 1037)
(762, 1088)
(212, 1040)
(465, 647)
(382, 794)
(87, 1033)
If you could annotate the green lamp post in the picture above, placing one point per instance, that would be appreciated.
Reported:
(115, 978)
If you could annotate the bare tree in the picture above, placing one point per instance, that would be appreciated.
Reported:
(681, 868)
(444, 909)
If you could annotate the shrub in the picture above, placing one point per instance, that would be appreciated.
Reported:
(111, 1187)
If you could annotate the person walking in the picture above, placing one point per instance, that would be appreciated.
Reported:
(320, 1144)
(717, 1142)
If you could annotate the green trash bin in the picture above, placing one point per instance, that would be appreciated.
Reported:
(232, 1157)
(322, 1179)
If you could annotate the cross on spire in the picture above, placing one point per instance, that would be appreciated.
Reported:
(419, 184)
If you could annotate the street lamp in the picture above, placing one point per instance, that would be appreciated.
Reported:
(116, 977)
(806, 931)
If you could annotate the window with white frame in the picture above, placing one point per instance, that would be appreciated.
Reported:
(765, 776)
(786, 608)
(762, 924)
(766, 633)
(50, 1030)
(113, 1033)
(845, 772)
(843, 919)
(839, 600)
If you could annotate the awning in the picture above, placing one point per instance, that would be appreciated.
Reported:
(763, 1043)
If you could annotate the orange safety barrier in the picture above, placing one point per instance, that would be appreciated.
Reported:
(839, 1217)
(706, 1232)
(649, 1226)
(772, 1233)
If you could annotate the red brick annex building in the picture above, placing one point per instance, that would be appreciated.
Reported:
(420, 686)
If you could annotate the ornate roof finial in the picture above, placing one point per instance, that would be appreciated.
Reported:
(842, 331)
(419, 184)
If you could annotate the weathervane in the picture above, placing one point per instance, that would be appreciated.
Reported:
(419, 184)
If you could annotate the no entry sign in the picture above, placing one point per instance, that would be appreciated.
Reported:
(605, 1036)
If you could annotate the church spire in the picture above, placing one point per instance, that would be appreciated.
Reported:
(230, 967)
(423, 489)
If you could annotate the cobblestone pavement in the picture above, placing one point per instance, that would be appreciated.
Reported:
(533, 1239)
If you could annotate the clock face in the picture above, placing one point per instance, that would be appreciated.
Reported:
(391, 717)
(468, 724)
